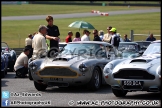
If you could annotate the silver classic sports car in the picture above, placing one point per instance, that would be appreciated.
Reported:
(79, 63)
(138, 74)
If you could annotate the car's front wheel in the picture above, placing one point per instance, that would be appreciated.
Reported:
(95, 81)
(119, 93)
(40, 87)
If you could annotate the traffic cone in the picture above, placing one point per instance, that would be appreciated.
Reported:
(106, 14)
(92, 11)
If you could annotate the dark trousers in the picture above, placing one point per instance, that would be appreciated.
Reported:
(22, 72)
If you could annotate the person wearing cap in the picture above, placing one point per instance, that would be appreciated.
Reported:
(28, 43)
(96, 37)
(52, 34)
(107, 36)
(101, 34)
(39, 42)
(21, 64)
(115, 40)
(85, 37)
(69, 37)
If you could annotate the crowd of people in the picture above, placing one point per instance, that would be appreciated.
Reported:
(47, 38)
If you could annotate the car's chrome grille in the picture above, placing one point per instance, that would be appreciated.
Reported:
(133, 74)
(55, 71)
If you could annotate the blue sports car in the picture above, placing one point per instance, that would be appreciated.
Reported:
(11, 54)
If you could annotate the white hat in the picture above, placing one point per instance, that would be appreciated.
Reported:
(101, 32)
(118, 34)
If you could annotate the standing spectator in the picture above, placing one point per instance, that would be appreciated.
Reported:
(101, 34)
(85, 37)
(69, 37)
(28, 43)
(39, 42)
(52, 34)
(21, 64)
(77, 37)
(107, 36)
(115, 38)
(126, 38)
(96, 37)
(151, 38)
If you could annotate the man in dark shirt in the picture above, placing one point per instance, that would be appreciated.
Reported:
(151, 38)
(69, 37)
(96, 37)
(126, 38)
(52, 33)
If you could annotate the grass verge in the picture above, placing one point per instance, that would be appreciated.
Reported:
(15, 32)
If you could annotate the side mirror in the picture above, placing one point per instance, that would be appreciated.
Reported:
(141, 52)
(52, 54)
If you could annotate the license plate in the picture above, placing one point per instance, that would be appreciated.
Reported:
(56, 79)
(132, 83)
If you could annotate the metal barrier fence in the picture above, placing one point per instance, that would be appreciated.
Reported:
(132, 35)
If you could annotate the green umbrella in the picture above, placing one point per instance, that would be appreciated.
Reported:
(81, 24)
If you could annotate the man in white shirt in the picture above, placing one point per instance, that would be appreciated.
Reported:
(85, 37)
(39, 42)
(21, 64)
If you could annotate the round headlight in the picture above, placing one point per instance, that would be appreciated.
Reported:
(83, 67)
(107, 70)
(32, 66)
(110, 66)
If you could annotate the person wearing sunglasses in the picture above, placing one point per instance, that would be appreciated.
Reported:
(96, 37)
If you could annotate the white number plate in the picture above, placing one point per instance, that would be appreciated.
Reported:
(132, 83)
(56, 79)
